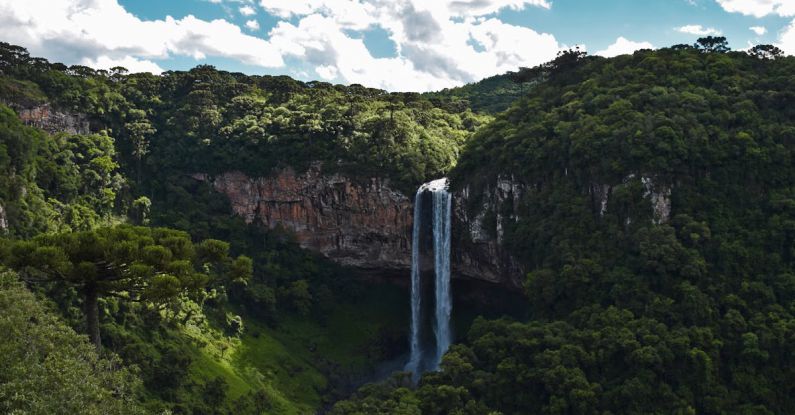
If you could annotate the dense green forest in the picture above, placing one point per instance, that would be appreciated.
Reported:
(692, 315)
(192, 311)
(289, 338)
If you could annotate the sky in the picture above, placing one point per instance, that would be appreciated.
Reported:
(398, 45)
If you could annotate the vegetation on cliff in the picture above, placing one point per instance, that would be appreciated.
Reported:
(284, 340)
(681, 313)
(685, 305)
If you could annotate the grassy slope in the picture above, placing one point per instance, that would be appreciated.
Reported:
(284, 361)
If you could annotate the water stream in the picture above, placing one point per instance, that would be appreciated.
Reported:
(441, 201)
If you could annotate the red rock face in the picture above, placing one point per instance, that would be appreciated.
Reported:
(362, 224)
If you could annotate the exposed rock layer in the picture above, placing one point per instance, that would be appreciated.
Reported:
(54, 121)
(3, 220)
(479, 231)
(51, 119)
(365, 223)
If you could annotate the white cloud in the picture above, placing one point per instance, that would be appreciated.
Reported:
(438, 44)
(130, 63)
(787, 39)
(327, 72)
(759, 8)
(75, 31)
(623, 46)
(434, 51)
(247, 11)
(759, 30)
(252, 24)
(697, 29)
(462, 8)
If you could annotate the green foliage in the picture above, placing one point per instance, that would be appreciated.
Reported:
(634, 311)
(488, 96)
(46, 368)
(136, 263)
(55, 183)
(638, 311)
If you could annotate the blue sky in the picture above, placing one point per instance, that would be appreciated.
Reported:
(416, 45)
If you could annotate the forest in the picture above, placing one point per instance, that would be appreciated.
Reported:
(129, 287)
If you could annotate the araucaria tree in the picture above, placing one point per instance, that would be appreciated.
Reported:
(135, 263)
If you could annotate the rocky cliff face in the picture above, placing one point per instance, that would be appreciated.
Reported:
(54, 121)
(365, 223)
(478, 229)
(51, 119)
(3, 221)
(659, 195)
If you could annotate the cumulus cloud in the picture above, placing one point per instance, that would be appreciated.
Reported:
(247, 11)
(75, 31)
(252, 24)
(435, 46)
(762, 8)
(623, 46)
(759, 30)
(787, 39)
(697, 29)
(462, 8)
(130, 63)
(759, 8)
(438, 44)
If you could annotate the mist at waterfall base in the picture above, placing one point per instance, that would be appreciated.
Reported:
(426, 351)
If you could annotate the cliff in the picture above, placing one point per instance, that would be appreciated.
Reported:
(54, 121)
(48, 118)
(363, 224)
(478, 231)
(3, 221)
(366, 223)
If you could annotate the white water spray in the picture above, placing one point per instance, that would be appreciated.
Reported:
(441, 253)
(416, 352)
(441, 222)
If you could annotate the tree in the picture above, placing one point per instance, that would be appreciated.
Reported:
(134, 263)
(141, 208)
(139, 129)
(47, 368)
(766, 52)
(712, 44)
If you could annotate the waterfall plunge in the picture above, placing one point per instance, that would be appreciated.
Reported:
(415, 348)
(441, 204)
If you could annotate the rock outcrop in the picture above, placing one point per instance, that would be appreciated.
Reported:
(363, 224)
(659, 195)
(479, 231)
(49, 118)
(3, 221)
(367, 224)
(54, 120)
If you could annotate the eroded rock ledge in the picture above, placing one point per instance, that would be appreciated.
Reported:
(51, 119)
(365, 223)
(356, 223)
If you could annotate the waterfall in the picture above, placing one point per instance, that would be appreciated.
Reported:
(415, 348)
(441, 221)
(441, 254)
